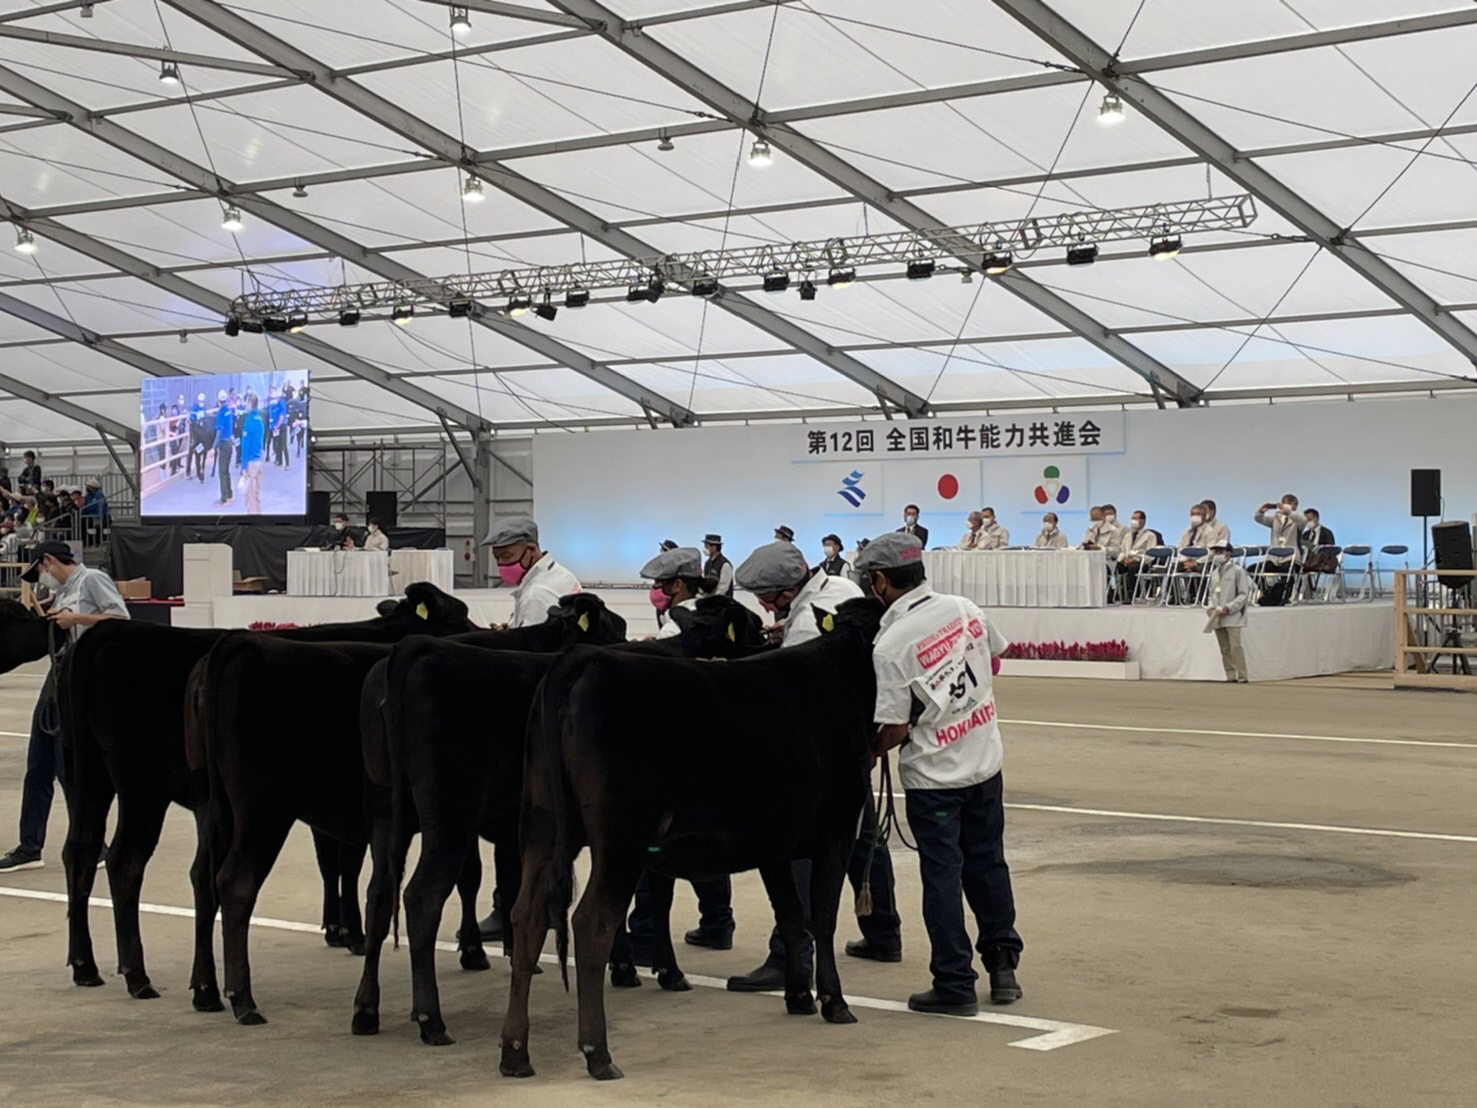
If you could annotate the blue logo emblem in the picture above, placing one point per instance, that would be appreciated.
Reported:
(852, 492)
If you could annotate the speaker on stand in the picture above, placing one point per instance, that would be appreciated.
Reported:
(1453, 542)
(318, 508)
(383, 506)
(1425, 502)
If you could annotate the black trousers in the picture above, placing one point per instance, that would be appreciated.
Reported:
(223, 466)
(961, 848)
(714, 905)
(43, 764)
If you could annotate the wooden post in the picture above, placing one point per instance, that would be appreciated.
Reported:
(1401, 630)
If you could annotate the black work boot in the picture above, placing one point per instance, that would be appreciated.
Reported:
(933, 1004)
(768, 978)
(713, 938)
(863, 948)
(1004, 988)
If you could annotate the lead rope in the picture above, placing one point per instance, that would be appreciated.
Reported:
(887, 823)
(51, 711)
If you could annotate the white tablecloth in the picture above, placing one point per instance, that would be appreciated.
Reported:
(338, 573)
(1021, 578)
(409, 565)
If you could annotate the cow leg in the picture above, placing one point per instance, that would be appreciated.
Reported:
(134, 840)
(441, 864)
(325, 849)
(827, 877)
(663, 957)
(256, 840)
(529, 914)
(388, 858)
(507, 876)
(469, 935)
(88, 800)
(623, 959)
(351, 923)
(614, 872)
(203, 983)
(789, 918)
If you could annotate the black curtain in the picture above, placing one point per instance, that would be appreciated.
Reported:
(157, 551)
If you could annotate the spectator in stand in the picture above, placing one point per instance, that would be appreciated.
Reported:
(1136, 543)
(1094, 525)
(970, 540)
(95, 505)
(1283, 523)
(1197, 534)
(1313, 536)
(833, 564)
(992, 536)
(1217, 531)
(911, 526)
(30, 478)
(1051, 537)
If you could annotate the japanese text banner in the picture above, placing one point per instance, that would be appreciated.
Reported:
(1040, 434)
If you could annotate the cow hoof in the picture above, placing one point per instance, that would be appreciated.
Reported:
(801, 1004)
(674, 981)
(436, 1038)
(366, 1022)
(515, 1063)
(333, 935)
(836, 1011)
(354, 944)
(208, 999)
(475, 959)
(624, 977)
(144, 991)
(608, 1071)
(246, 1013)
(86, 976)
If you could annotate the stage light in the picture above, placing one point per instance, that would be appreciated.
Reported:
(25, 242)
(807, 289)
(665, 143)
(776, 282)
(402, 314)
(1110, 111)
(1162, 249)
(472, 190)
(86, 12)
(997, 262)
(654, 288)
(520, 304)
(546, 311)
(705, 286)
(301, 192)
(841, 278)
(1085, 254)
(577, 298)
(184, 337)
(966, 276)
(231, 219)
(349, 317)
(274, 324)
(760, 155)
(460, 308)
(253, 326)
(233, 325)
(461, 22)
(296, 322)
(635, 294)
(921, 270)
(168, 73)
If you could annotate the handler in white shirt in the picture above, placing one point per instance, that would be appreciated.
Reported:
(783, 584)
(538, 582)
(935, 657)
(676, 582)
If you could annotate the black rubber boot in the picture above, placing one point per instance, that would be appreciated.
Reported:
(935, 1005)
(861, 948)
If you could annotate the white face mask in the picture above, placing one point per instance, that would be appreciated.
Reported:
(910, 519)
(1197, 520)
(1109, 517)
(1049, 528)
(989, 521)
(1137, 525)
(832, 551)
(50, 580)
(338, 525)
(1219, 559)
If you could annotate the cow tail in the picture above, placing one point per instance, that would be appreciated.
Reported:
(392, 711)
(549, 739)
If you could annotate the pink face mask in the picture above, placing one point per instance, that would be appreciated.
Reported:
(512, 574)
(769, 605)
(659, 600)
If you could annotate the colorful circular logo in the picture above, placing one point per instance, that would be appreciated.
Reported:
(1051, 487)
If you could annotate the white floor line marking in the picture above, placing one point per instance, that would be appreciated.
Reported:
(1050, 1034)
(1232, 734)
(1380, 832)
(16, 734)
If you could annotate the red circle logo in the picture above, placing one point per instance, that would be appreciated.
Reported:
(948, 486)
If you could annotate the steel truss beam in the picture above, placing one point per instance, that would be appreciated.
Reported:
(130, 50)
(392, 117)
(46, 9)
(1064, 37)
(512, 11)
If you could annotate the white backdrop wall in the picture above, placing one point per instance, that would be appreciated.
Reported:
(604, 500)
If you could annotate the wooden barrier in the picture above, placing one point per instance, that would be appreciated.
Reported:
(1430, 626)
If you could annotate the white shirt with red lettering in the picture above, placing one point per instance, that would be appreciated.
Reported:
(936, 649)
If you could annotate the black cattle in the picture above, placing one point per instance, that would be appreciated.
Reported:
(23, 635)
(456, 714)
(266, 772)
(123, 697)
(644, 759)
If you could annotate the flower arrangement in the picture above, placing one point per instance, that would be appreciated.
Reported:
(1113, 651)
(267, 625)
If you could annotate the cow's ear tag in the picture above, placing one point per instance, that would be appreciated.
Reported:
(584, 621)
(422, 611)
(732, 635)
(828, 624)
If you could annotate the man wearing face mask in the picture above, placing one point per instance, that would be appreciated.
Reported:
(536, 579)
(1094, 525)
(1313, 536)
(1229, 592)
(1197, 534)
(1284, 524)
(342, 538)
(717, 569)
(1110, 533)
(911, 526)
(935, 657)
(970, 540)
(81, 598)
(992, 536)
(777, 575)
(1136, 543)
(1051, 537)
(833, 564)
(677, 581)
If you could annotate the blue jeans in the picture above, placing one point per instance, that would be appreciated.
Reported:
(961, 848)
(43, 763)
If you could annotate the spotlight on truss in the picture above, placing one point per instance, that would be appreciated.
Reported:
(807, 289)
(297, 322)
(233, 325)
(459, 308)
(841, 278)
(997, 262)
(520, 303)
(705, 286)
(1110, 111)
(349, 317)
(1084, 254)
(1165, 247)
(776, 282)
(577, 298)
(402, 314)
(921, 270)
(546, 311)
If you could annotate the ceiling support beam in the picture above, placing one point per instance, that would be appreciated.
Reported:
(395, 118)
(47, 9)
(512, 11)
(1162, 110)
(155, 53)
(742, 112)
(130, 473)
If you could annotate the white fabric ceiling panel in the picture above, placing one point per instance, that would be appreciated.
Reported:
(844, 49)
(770, 229)
(532, 396)
(1007, 371)
(1344, 183)
(181, 233)
(14, 329)
(65, 367)
(45, 166)
(120, 304)
(1439, 262)
(24, 424)
(753, 384)
(359, 404)
(678, 324)
(506, 253)
(51, 260)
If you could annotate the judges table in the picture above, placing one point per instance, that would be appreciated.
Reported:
(1021, 578)
(409, 565)
(338, 573)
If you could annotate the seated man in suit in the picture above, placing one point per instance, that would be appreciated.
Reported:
(911, 526)
(1313, 536)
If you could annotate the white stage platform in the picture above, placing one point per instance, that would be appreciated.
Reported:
(1168, 643)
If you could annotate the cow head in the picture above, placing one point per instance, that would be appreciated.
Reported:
(587, 621)
(861, 616)
(721, 627)
(427, 610)
(23, 635)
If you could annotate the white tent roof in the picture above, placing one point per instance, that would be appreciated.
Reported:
(1352, 122)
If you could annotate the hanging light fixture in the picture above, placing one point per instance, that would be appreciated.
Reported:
(86, 12)
(520, 303)
(1166, 247)
(760, 155)
(402, 314)
(841, 278)
(1110, 111)
(297, 322)
(168, 73)
(665, 143)
(25, 242)
(472, 189)
(461, 21)
(997, 262)
(301, 192)
(231, 219)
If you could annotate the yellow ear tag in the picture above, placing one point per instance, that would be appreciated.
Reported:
(829, 623)
(584, 621)
(732, 637)
(422, 611)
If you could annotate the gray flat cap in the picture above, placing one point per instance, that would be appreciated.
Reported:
(777, 565)
(892, 550)
(680, 561)
(505, 532)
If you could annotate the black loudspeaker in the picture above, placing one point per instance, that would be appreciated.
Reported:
(1425, 492)
(1453, 543)
(383, 506)
(317, 508)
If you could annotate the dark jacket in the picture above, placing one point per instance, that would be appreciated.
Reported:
(919, 530)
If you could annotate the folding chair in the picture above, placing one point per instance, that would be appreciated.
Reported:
(1366, 573)
(1153, 572)
(1392, 551)
(1277, 562)
(1181, 580)
(1324, 585)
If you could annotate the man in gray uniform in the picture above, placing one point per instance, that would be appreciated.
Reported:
(1228, 593)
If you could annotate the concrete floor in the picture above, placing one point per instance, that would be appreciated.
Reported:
(1249, 953)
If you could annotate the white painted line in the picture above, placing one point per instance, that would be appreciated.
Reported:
(1232, 734)
(16, 734)
(1380, 832)
(1050, 1034)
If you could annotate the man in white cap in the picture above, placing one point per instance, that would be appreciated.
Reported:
(1229, 592)
(935, 657)
(536, 579)
(677, 581)
(778, 576)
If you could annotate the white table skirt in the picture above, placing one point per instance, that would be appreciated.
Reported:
(409, 565)
(338, 573)
(1021, 578)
